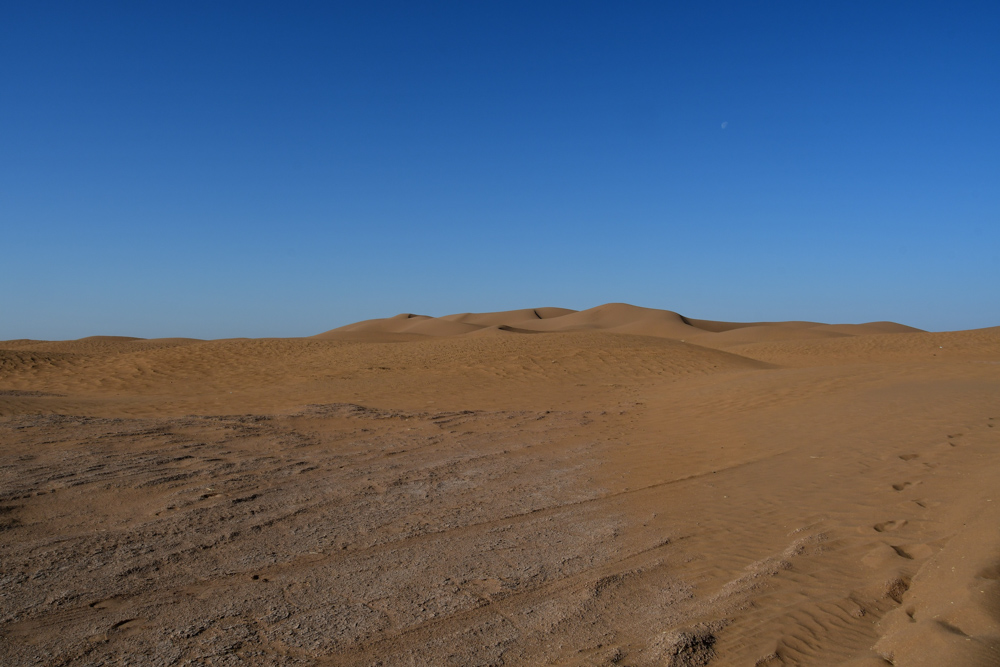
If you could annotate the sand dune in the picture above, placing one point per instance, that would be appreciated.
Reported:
(613, 318)
(618, 485)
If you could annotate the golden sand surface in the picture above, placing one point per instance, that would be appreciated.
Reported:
(538, 487)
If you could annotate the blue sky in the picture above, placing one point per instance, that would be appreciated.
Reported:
(279, 169)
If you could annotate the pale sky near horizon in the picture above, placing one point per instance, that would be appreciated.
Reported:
(279, 169)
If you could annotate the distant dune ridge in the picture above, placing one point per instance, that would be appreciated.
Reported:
(612, 318)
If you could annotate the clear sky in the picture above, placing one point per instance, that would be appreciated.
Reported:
(214, 169)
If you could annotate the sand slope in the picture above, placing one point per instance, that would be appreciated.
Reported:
(617, 485)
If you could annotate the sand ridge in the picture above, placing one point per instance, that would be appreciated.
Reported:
(617, 485)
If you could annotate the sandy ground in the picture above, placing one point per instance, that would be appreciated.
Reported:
(614, 486)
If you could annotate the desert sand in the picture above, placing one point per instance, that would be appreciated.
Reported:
(618, 485)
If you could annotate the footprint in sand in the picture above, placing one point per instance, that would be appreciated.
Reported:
(901, 486)
(884, 556)
(109, 603)
(909, 457)
(901, 552)
(991, 572)
(128, 626)
(887, 526)
(915, 551)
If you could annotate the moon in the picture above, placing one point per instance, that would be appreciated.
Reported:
(724, 123)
